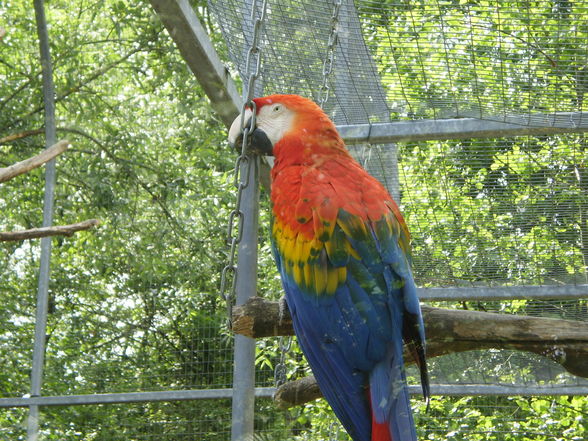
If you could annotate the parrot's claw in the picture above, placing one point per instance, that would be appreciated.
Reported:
(282, 309)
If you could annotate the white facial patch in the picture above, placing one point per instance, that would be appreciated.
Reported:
(275, 120)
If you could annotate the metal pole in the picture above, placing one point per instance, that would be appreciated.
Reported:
(244, 362)
(243, 411)
(43, 285)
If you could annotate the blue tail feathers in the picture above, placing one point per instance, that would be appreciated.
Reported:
(390, 402)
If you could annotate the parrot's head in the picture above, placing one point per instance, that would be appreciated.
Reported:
(277, 118)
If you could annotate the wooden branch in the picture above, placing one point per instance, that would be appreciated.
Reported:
(59, 230)
(36, 161)
(448, 331)
(260, 317)
(2, 33)
(295, 393)
(20, 135)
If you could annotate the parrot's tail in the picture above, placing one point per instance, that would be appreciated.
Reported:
(380, 431)
(390, 403)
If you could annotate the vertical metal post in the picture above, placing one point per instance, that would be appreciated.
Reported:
(246, 277)
(244, 362)
(43, 283)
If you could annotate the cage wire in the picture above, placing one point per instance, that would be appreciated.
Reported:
(491, 212)
(483, 212)
(429, 59)
(455, 418)
(137, 318)
(518, 68)
(178, 421)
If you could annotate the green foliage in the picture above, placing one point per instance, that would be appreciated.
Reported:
(504, 419)
(521, 206)
(478, 58)
(134, 304)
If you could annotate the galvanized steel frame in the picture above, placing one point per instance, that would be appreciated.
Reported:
(268, 393)
(45, 258)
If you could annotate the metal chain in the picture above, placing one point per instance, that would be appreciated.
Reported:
(329, 61)
(280, 371)
(235, 223)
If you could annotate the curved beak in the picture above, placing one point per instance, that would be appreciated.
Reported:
(258, 141)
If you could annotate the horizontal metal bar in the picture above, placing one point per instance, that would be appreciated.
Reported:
(478, 389)
(499, 390)
(459, 128)
(504, 292)
(128, 397)
(268, 392)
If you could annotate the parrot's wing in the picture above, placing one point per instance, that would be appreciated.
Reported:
(341, 384)
(352, 299)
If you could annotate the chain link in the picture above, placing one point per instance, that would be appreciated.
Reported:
(254, 53)
(243, 162)
(329, 61)
(280, 371)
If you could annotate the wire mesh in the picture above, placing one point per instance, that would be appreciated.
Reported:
(456, 419)
(482, 212)
(502, 211)
(181, 421)
(119, 321)
(430, 59)
(133, 304)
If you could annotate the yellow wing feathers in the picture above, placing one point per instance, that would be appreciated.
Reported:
(305, 260)
(315, 248)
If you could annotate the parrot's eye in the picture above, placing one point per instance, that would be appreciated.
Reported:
(277, 108)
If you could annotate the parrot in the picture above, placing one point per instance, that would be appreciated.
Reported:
(342, 249)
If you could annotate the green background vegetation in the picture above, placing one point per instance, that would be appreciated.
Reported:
(135, 303)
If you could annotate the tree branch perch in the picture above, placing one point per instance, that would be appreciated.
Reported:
(36, 161)
(60, 230)
(448, 331)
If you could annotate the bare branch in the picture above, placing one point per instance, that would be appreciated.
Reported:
(2, 33)
(295, 393)
(60, 230)
(36, 161)
(20, 135)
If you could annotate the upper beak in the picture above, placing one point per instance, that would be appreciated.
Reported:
(258, 142)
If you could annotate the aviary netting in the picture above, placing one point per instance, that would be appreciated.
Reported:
(472, 113)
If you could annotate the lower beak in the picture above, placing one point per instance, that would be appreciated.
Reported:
(260, 143)
(257, 140)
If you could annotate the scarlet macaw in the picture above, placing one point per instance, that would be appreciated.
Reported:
(343, 251)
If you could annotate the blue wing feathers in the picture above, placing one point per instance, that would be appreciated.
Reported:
(340, 383)
(353, 339)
